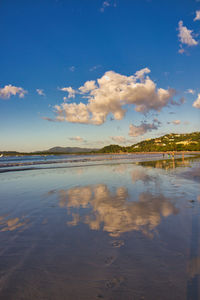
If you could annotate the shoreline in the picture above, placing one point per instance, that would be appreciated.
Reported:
(93, 159)
(18, 154)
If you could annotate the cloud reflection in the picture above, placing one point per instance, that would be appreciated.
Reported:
(11, 224)
(194, 267)
(142, 175)
(113, 211)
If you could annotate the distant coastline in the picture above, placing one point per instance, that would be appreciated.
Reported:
(177, 143)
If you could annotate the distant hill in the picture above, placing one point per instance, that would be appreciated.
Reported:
(165, 143)
(113, 149)
(54, 150)
(69, 150)
(168, 142)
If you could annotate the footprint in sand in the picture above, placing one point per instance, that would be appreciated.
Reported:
(109, 260)
(117, 243)
(114, 282)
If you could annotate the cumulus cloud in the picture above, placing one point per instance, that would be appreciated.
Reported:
(141, 73)
(181, 50)
(176, 122)
(10, 90)
(143, 128)
(109, 95)
(196, 103)
(88, 87)
(190, 91)
(71, 92)
(197, 18)
(76, 138)
(40, 92)
(179, 102)
(186, 35)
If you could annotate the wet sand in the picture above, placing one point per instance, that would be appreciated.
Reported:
(110, 231)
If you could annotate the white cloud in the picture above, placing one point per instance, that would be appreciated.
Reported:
(141, 73)
(104, 5)
(71, 92)
(143, 128)
(76, 138)
(72, 68)
(190, 91)
(181, 50)
(9, 90)
(40, 92)
(88, 86)
(185, 35)
(107, 3)
(110, 94)
(196, 103)
(197, 18)
(176, 122)
(74, 113)
(179, 102)
(141, 174)
(94, 68)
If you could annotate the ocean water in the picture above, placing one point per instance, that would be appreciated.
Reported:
(99, 228)
(30, 162)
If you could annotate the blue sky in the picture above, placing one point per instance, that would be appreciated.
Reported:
(51, 45)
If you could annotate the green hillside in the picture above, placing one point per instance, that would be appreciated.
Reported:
(168, 142)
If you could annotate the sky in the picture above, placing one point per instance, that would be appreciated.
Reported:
(90, 73)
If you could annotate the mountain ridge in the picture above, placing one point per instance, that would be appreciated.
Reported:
(70, 149)
(167, 142)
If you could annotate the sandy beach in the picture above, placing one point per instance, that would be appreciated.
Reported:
(115, 229)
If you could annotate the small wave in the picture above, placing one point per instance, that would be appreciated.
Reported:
(34, 163)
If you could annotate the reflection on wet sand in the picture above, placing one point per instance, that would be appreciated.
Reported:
(106, 250)
(194, 262)
(120, 169)
(11, 224)
(194, 267)
(166, 164)
(193, 174)
(112, 211)
(142, 175)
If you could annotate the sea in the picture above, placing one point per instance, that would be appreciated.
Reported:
(30, 162)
